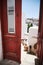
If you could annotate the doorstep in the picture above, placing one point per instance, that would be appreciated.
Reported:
(8, 62)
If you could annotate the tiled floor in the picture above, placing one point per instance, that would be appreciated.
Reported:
(27, 59)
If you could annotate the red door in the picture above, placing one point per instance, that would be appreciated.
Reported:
(11, 37)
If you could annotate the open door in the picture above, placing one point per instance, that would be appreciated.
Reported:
(40, 34)
(11, 29)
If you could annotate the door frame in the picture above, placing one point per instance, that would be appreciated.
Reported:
(40, 24)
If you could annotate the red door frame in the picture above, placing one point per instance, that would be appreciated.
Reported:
(40, 33)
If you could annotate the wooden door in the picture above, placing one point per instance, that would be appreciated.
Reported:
(11, 39)
(40, 33)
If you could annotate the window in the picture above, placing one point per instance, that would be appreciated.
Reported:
(11, 15)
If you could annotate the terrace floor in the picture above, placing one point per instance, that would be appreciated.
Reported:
(27, 59)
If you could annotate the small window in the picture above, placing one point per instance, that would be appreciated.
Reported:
(11, 15)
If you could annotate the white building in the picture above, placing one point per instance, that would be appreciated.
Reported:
(33, 31)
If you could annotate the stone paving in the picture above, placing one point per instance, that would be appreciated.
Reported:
(27, 59)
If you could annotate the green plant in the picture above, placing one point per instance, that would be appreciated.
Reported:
(28, 26)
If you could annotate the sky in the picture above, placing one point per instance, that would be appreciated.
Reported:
(31, 8)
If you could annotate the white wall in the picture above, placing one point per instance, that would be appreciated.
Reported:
(24, 26)
(1, 51)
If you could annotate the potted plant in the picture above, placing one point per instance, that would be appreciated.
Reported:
(28, 26)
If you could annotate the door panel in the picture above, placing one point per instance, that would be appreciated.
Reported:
(11, 41)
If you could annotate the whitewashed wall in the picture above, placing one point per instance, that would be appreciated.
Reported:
(23, 26)
(1, 51)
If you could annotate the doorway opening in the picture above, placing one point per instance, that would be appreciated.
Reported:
(29, 30)
(29, 34)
